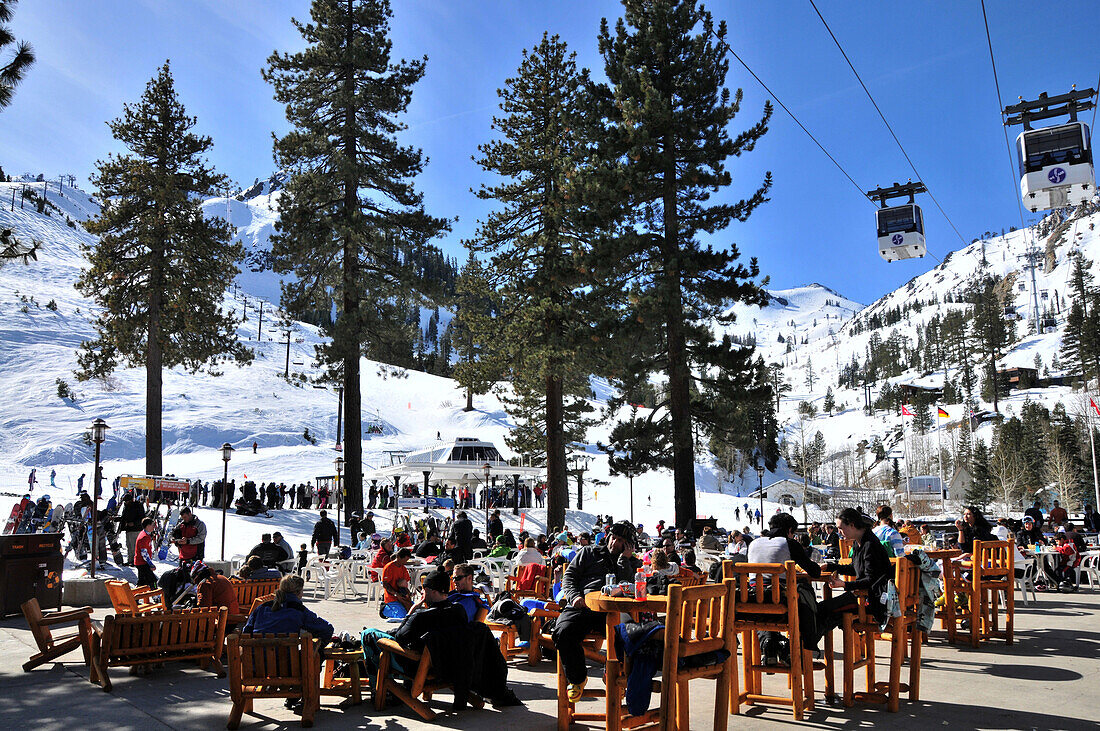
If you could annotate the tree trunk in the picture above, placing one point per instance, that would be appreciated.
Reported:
(353, 420)
(154, 391)
(679, 376)
(469, 400)
(557, 479)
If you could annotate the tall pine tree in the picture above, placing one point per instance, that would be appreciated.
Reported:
(990, 332)
(352, 226)
(14, 68)
(471, 332)
(667, 115)
(539, 243)
(159, 269)
(1081, 337)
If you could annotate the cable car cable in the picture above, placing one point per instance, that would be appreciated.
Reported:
(888, 127)
(789, 112)
(1004, 128)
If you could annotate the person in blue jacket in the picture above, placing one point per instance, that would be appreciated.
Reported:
(287, 614)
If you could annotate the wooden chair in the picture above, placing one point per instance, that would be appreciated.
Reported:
(992, 572)
(766, 600)
(860, 631)
(273, 666)
(846, 545)
(127, 599)
(417, 692)
(248, 591)
(540, 592)
(158, 637)
(699, 620)
(51, 647)
(260, 600)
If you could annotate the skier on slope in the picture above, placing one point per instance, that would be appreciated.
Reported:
(53, 478)
(31, 479)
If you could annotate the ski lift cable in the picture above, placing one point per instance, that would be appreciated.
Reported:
(809, 134)
(1000, 108)
(888, 127)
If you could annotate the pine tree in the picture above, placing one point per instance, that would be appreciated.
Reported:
(830, 401)
(352, 227)
(1081, 337)
(160, 268)
(15, 68)
(810, 375)
(980, 491)
(989, 331)
(539, 242)
(665, 146)
(471, 332)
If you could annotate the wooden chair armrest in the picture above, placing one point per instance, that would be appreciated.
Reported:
(146, 591)
(68, 615)
(385, 643)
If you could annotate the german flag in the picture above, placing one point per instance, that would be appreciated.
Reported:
(942, 414)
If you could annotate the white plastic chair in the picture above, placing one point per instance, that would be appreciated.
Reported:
(1090, 569)
(1026, 582)
(316, 575)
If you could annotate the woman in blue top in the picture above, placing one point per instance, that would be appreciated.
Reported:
(287, 614)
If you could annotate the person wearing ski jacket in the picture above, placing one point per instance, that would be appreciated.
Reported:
(192, 538)
(287, 614)
(462, 532)
(270, 553)
(129, 521)
(214, 590)
(143, 559)
(325, 533)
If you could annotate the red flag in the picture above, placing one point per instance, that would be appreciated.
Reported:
(905, 410)
(1094, 406)
(522, 520)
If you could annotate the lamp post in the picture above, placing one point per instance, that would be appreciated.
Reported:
(339, 462)
(396, 502)
(99, 435)
(485, 471)
(515, 494)
(227, 454)
(427, 474)
(760, 475)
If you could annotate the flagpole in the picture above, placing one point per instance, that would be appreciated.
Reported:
(939, 454)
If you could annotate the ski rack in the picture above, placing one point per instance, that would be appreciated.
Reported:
(882, 195)
(1047, 107)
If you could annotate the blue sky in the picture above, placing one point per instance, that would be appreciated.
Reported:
(925, 62)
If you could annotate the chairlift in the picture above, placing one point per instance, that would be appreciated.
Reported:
(1055, 162)
(900, 228)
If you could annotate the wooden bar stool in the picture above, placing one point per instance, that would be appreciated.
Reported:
(992, 572)
(766, 600)
(699, 621)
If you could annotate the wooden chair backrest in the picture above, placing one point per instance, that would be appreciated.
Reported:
(280, 662)
(907, 580)
(248, 589)
(694, 580)
(184, 631)
(993, 560)
(846, 545)
(764, 589)
(41, 633)
(260, 600)
(124, 600)
(699, 618)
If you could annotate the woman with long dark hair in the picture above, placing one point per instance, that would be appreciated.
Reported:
(974, 527)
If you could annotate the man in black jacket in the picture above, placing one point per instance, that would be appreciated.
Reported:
(129, 520)
(496, 526)
(585, 573)
(462, 533)
(325, 533)
(270, 553)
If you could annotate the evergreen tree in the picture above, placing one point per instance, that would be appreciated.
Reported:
(1081, 337)
(830, 401)
(471, 332)
(810, 375)
(665, 145)
(539, 242)
(980, 491)
(989, 331)
(352, 228)
(160, 268)
(15, 68)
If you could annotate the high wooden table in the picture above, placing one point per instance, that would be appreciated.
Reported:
(350, 688)
(614, 681)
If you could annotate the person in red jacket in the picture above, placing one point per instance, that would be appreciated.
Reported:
(191, 538)
(214, 590)
(143, 554)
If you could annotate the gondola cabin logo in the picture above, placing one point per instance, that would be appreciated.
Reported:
(1057, 175)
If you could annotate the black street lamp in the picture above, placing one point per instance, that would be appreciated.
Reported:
(227, 454)
(339, 462)
(396, 503)
(99, 435)
(485, 471)
(515, 491)
(760, 475)
(427, 474)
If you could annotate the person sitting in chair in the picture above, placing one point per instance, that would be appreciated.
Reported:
(870, 566)
(395, 580)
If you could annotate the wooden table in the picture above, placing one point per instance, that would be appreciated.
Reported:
(350, 688)
(614, 607)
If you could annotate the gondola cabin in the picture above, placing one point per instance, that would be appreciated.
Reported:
(900, 232)
(1055, 166)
